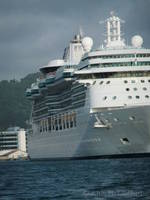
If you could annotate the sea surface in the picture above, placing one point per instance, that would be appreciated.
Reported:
(77, 179)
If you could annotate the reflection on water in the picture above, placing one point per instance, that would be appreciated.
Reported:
(86, 179)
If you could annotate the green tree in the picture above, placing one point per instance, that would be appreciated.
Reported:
(14, 107)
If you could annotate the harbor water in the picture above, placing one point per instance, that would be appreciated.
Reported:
(87, 179)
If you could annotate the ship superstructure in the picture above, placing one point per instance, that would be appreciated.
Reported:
(93, 102)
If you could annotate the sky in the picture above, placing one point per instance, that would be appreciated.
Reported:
(32, 32)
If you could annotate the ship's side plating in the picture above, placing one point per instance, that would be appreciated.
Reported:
(98, 132)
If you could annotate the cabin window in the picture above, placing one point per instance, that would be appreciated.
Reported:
(59, 122)
(114, 97)
(132, 81)
(144, 88)
(105, 98)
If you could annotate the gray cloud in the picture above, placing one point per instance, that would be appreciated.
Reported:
(32, 32)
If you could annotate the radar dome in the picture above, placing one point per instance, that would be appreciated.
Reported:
(87, 43)
(137, 41)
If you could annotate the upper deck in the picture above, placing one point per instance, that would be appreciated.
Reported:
(113, 59)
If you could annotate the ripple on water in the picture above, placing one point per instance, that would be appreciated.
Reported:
(86, 179)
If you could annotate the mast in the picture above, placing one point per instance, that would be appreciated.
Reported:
(113, 27)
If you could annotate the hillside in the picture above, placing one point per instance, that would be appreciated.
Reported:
(14, 107)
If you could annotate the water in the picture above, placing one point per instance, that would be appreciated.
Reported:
(86, 179)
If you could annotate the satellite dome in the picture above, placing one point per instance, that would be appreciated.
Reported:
(137, 41)
(87, 43)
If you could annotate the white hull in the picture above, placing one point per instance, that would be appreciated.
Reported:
(87, 141)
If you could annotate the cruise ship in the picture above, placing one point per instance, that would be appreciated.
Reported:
(95, 102)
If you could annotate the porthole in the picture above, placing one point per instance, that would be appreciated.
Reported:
(94, 82)
(132, 118)
(125, 140)
(135, 89)
(148, 80)
(107, 82)
(142, 81)
(125, 81)
(127, 89)
(101, 82)
(129, 97)
(105, 98)
(147, 96)
(137, 97)
(114, 97)
(132, 81)
(144, 88)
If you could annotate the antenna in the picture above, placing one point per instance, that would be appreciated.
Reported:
(112, 13)
(81, 31)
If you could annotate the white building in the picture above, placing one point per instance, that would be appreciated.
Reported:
(13, 143)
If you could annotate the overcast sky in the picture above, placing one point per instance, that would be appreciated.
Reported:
(32, 32)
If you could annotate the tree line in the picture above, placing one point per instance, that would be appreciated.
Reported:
(15, 108)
